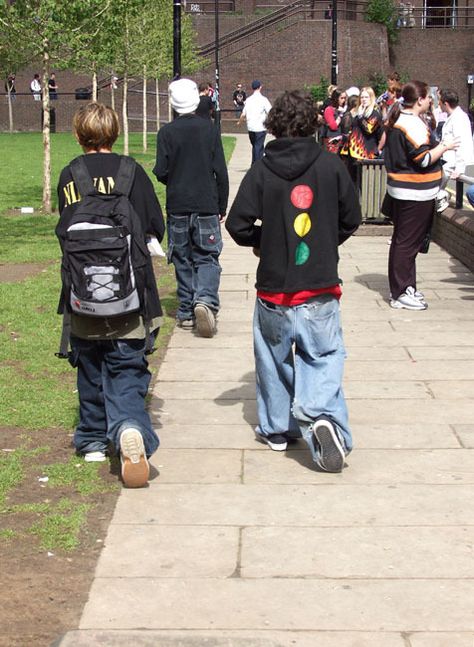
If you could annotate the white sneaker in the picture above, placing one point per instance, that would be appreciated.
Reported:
(135, 468)
(409, 301)
(95, 457)
(205, 320)
(442, 200)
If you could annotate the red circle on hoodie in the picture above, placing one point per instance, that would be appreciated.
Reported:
(301, 196)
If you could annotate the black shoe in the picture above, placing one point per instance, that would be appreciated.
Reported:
(277, 442)
(331, 450)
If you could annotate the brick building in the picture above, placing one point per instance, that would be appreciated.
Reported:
(288, 45)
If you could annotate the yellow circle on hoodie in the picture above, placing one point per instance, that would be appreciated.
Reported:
(302, 224)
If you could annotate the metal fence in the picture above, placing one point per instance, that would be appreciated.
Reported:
(372, 184)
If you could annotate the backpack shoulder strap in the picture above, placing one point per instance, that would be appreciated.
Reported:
(125, 176)
(81, 176)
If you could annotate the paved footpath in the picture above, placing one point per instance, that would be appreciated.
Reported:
(235, 545)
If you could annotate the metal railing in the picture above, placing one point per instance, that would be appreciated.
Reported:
(460, 182)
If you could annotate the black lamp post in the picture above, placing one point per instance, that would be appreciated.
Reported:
(216, 29)
(334, 65)
(176, 39)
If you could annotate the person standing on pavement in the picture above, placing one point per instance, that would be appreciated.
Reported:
(456, 126)
(308, 206)
(255, 112)
(190, 162)
(412, 159)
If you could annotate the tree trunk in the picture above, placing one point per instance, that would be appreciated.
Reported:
(10, 108)
(94, 85)
(125, 113)
(46, 131)
(112, 90)
(145, 115)
(158, 113)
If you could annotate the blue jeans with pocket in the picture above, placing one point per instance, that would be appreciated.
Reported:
(112, 381)
(299, 360)
(194, 247)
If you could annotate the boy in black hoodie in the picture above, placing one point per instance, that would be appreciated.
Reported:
(307, 206)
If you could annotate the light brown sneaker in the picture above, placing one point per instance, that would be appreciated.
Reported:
(205, 320)
(135, 467)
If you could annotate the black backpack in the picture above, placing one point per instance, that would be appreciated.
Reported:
(104, 261)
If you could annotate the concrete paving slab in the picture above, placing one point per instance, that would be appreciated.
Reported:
(435, 411)
(399, 466)
(465, 434)
(358, 553)
(353, 389)
(221, 411)
(198, 466)
(329, 503)
(177, 551)
(424, 369)
(240, 340)
(384, 436)
(222, 638)
(389, 338)
(358, 605)
(198, 436)
(416, 435)
(224, 412)
(206, 390)
(442, 639)
(454, 389)
(442, 353)
(215, 366)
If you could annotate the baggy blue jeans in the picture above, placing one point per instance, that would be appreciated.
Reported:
(112, 381)
(194, 247)
(299, 361)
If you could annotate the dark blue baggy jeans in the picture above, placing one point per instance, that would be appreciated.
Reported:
(112, 381)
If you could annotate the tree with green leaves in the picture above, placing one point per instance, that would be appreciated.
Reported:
(152, 47)
(51, 32)
(384, 13)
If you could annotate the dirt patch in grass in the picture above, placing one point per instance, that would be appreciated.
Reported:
(43, 591)
(16, 272)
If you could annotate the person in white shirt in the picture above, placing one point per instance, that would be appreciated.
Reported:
(457, 126)
(35, 87)
(255, 112)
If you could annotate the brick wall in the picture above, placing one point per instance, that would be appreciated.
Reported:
(454, 231)
(442, 57)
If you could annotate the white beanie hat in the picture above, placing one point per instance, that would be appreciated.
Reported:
(184, 96)
(353, 91)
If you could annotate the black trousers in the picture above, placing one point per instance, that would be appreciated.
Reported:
(411, 222)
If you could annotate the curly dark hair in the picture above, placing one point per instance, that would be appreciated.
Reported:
(293, 115)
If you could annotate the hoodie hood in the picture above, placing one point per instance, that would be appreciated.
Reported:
(290, 157)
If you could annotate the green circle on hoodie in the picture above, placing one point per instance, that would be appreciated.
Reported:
(302, 253)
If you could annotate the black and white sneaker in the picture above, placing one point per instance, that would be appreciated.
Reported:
(277, 442)
(330, 447)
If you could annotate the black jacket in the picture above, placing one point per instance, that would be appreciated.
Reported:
(301, 228)
(190, 161)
